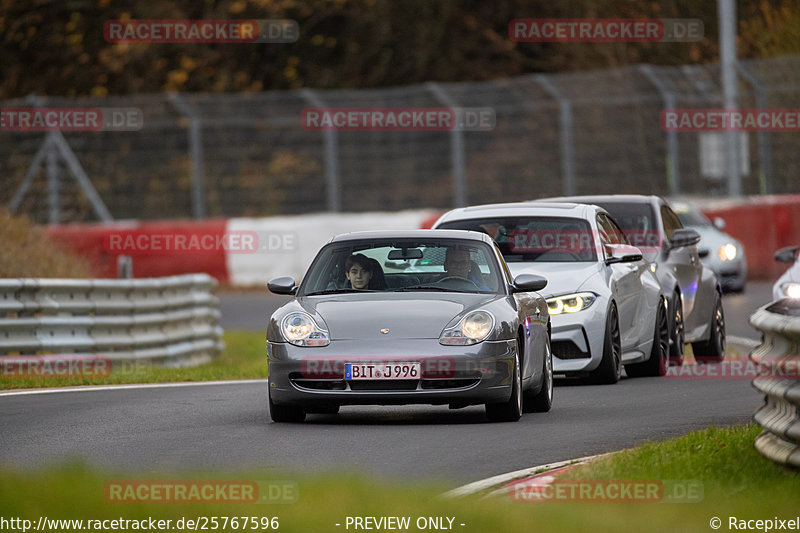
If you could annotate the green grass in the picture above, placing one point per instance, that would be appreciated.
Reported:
(738, 482)
(244, 357)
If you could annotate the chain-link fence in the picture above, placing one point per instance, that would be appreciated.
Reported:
(208, 155)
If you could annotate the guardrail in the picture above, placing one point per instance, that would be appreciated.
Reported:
(172, 321)
(779, 323)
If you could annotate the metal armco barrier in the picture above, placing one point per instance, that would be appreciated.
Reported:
(780, 324)
(171, 321)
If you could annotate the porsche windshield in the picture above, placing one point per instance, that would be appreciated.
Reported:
(403, 266)
(541, 239)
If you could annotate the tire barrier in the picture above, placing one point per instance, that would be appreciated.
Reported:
(779, 323)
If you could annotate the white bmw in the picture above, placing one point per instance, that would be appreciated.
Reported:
(606, 305)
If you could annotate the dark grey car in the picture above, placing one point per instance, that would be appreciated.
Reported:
(694, 292)
(421, 332)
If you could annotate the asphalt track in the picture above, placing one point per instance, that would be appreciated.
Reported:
(227, 425)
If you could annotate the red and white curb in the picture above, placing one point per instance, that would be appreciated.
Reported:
(540, 475)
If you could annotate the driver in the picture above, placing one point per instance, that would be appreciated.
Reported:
(457, 263)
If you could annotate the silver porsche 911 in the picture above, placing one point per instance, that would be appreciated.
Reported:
(410, 317)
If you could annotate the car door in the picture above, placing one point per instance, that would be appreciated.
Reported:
(626, 283)
(685, 263)
(532, 309)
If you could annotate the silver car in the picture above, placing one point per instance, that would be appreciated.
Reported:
(369, 326)
(788, 285)
(718, 251)
(605, 303)
(694, 292)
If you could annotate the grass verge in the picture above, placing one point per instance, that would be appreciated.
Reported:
(738, 482)
(244, 357)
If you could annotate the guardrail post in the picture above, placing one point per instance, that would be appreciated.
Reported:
(566, 137)
(331, 156)
(456, 148)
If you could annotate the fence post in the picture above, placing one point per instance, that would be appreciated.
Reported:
(566, 137)
(673, 162)
(331, 156)
(196, 151)
(764, 146)
(456, 148)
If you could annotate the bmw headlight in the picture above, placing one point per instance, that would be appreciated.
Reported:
(471, 329)
(791, 289)
(727, 252)
(570, 303)
(301, 330)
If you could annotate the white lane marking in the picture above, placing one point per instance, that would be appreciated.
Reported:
(501, 479)
(743, 341)
(132, 386)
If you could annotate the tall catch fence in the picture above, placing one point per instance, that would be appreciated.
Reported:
(221, 155)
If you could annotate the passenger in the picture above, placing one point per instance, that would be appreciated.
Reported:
(358, 271)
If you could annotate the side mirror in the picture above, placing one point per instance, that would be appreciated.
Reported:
(719, 223)
(282, 285)
(683, 237)
(787, 255)
(622, 253)
(529, 283)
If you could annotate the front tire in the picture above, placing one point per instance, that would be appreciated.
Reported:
(656, 365)
(285, 413)
(677, 341)
(509, 411)
(610, 368)
(712, 350)
(542, 401)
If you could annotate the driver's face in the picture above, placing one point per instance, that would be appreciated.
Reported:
(457, 263)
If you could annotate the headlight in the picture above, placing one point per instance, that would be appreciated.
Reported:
(471, 329)
(570, 303)
(653, 267)
(301, 330)
(727, 252)
(791, 289)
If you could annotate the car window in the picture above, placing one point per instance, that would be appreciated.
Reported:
(509, 276)
(691, 217)
(637, 221)
(535, 239)
(404, 265)
(620, 235)
(609, 233)
(670, 221)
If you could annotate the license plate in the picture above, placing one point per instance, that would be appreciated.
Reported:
(353, 371)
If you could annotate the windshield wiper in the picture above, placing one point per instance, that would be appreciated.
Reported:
(338, 291)
(423, 288)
